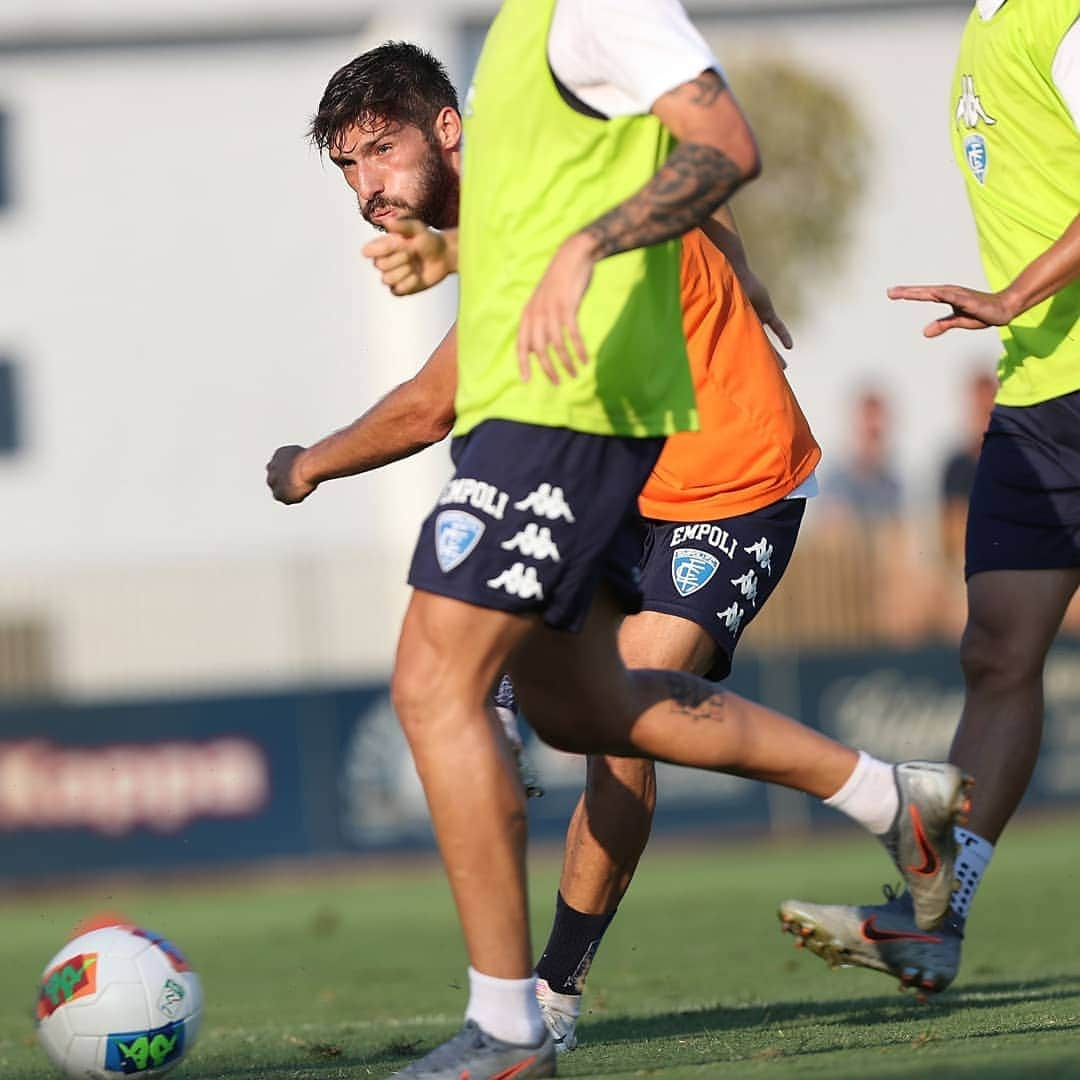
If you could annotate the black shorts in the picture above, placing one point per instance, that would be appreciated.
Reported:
(534, 519)
(718, 574)
(1024, 512)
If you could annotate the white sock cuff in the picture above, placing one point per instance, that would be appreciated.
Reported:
(505, 1008)
(868, 796)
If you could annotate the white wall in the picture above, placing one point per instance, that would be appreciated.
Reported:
(183, 290)
(913, 227)
(180, 280)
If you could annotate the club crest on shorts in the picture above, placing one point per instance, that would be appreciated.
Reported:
(456, 535)
(692, 569)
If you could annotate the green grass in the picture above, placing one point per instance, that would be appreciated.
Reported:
(328, 975)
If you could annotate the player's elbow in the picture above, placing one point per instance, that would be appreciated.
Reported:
(745, 156)
(440, 426)
(432, 422)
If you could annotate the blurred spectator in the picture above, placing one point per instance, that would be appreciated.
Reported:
(874, 554)
(867, 485)
(958, 470)
(949, 604)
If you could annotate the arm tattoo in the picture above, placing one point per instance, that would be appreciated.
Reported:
(690, 185)
(706, 88)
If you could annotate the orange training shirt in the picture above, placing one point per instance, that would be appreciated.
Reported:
(754, 446)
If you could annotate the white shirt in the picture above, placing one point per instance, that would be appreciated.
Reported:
(1065, 70)
(619, 56)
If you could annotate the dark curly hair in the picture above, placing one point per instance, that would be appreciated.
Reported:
(395, 83)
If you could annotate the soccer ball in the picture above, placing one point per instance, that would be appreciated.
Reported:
(116, 1002)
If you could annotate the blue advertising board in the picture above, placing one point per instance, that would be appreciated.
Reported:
(199, 782)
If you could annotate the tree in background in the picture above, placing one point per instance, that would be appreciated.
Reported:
(796, 219)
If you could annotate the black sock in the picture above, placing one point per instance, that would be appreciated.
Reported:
(570, 948)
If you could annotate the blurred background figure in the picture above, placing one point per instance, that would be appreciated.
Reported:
(958, 468)
(954, 488)
(865, 537)
(867, 485)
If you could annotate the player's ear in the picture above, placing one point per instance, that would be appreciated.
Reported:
(448, 128)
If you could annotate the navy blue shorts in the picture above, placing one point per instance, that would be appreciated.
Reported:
(1024, 512)
(718, 574)
(534, 519)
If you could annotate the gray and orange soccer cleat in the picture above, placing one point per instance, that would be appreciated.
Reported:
(473, 1054)
(883, 937)
(560, 1013)
(933, 799)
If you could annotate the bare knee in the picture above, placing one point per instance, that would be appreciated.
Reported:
(411, 694)
(608, 777)
(996, 655)
(426, 689)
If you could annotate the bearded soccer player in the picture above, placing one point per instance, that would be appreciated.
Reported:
(1016, 138)
(687, 720)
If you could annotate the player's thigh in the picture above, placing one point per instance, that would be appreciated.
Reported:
(654, 639)
(1013, 616)
(571, 685)
(452, 651)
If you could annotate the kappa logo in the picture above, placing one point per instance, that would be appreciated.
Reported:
(731, 617)
(969, 107)
(141, 1051)
(970, 113)
(747, 585)
(519, 580)
(692, 569)
(457, 533)
(76, 977)
(547, 502)
(534, 542)
(762, 551)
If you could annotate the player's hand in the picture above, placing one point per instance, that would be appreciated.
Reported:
(284, 475)
(411, 257)
(971, 309)
(762, 304)
(549, 322)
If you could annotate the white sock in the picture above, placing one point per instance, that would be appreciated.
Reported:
(509, 722)
(971, 862)
(505, 1008)
(869, 795)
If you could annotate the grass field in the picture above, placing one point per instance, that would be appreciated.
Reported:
(352, 974)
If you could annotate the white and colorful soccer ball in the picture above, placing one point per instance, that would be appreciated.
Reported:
(116, 1002)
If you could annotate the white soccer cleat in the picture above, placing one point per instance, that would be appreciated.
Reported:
(560, 1013)
(933, 798)
(473, 1054)
(882, 937)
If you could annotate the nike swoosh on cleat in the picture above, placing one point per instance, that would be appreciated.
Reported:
(871, 932)
(514, 1070)
(930, 858)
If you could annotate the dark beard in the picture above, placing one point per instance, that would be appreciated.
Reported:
(437, 204)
